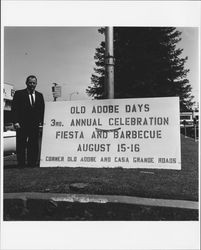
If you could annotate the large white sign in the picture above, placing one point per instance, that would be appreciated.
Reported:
(128, 133)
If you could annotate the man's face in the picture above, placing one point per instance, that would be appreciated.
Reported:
(31, 84)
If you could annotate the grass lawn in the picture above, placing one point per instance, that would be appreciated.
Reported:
(167, 184)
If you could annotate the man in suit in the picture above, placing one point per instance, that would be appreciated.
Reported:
(28, 111)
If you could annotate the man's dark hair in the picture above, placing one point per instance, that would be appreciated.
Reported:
(31, 76)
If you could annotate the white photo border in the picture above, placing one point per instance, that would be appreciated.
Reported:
(98, 235)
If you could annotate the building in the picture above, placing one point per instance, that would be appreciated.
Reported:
(8, 93)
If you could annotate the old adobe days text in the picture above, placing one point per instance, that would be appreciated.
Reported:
(98, 109)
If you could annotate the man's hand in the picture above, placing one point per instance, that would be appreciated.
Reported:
(16, 125)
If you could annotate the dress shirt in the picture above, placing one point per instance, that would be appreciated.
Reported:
(34, 97)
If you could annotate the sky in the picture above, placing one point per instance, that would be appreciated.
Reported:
(54, 54)
(65, 55)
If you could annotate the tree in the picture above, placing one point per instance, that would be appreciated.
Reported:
(147, 64)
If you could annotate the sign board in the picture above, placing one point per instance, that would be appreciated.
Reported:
(8, 91)
(128, 133)
(56, 91)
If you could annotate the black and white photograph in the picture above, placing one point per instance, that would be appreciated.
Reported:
(100, 127)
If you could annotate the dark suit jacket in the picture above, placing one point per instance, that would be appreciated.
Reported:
(23, 112)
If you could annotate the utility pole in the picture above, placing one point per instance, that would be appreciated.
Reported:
(109, 63)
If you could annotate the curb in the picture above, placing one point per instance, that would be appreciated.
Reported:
(103, 199)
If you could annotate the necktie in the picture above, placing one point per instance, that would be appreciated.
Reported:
(32, 100)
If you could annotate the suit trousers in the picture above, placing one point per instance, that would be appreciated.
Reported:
(27, 145)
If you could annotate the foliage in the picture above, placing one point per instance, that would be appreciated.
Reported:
(148, 63)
